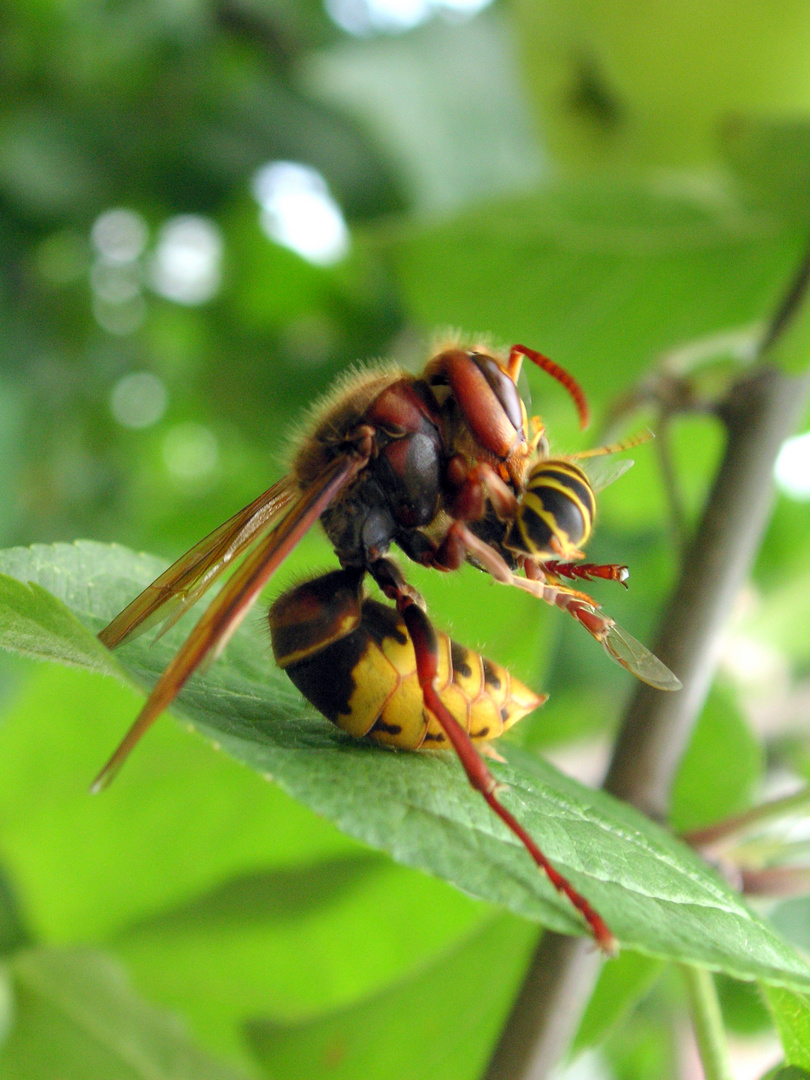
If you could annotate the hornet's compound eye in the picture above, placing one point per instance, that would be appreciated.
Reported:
(502, 387)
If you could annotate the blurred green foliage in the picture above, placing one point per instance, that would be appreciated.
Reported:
(458, 218)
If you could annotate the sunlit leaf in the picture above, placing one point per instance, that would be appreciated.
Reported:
(656, 895)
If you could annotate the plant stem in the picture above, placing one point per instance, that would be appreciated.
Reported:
(760, 411)
(707, 1022)
(730, 827)
(548, 1008)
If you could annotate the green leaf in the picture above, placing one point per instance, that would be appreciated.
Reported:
(703, 793)
(792, 1015)
(656, 895)
(621, 984)
(7, 1006)
(603, 277)
(33, 623)
(76, 1018)
(441, 1021)
(68, 854)
(771, 157)
(13, 931)
(181, 831)
(413, 89)
(293, 942)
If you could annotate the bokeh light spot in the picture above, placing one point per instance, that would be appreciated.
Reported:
(191, 453)
(119, 235)
(792, 468)
(365, 17)
(120, 317)
(187, 262)
(138, 400)
(116, 283)
(298, 211)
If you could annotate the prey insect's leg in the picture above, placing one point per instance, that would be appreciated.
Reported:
(587, 571)
(423, 637)
(619, 645)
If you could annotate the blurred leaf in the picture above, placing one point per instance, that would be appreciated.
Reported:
(646, 1043)
(416, 91)
(722, 765)
(744, 1010)
(649, 87)
(86, 867)
(654, 893)
(112, 869)
(7, 1006)
(792, 1015)
(771, 158)
(442, 1021)
(783, 552)
(787, 1072)
(602, 277)
(13, 931)
(291, 942)
(621, 984)
(76, 1018)
(791, 595)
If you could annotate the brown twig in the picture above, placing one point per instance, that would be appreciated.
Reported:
(759, 412)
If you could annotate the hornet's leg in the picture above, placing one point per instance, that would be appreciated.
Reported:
(423, 637)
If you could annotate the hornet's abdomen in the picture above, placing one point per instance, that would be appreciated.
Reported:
(363, 677)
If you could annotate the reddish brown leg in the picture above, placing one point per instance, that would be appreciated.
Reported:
(609, 571)
(594, 622)
(426, 651)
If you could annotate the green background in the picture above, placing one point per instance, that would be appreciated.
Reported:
(518, 174)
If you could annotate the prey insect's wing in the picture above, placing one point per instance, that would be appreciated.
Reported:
(178, 588)
(637, 658)
(602, 474)
(619, 645)
(228, 609)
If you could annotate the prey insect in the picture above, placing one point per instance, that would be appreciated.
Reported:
(447, 466)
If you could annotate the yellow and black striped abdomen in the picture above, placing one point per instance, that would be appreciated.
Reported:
(556, 512)
(366, 683)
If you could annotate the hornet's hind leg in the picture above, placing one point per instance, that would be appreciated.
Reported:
(425, 644)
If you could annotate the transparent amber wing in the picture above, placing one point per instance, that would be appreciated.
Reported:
(178, 588)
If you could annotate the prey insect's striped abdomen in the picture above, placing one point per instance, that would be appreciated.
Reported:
(556, 511)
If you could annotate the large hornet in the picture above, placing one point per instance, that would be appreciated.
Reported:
(447, 466)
